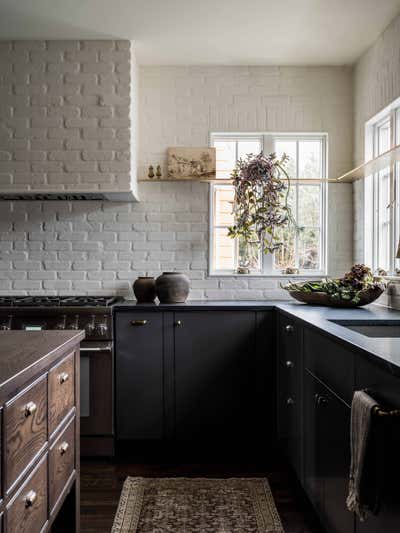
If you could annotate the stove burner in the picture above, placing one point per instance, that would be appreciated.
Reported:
(57, 301)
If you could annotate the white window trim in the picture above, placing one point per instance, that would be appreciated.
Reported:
(266, 261)
(371, 190)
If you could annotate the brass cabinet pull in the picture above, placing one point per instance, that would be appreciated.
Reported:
(178, 323)
(30, 408)
(30, 498)
(63, 448)
(63, 377)
(289, 364)
(289, 328)
(138, 322)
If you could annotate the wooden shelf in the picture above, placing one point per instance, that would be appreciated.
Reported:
(381, 162)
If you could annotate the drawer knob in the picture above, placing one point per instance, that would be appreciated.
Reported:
(289, 328)
(290, 401)
(63, 377)
(30, 498)
(63, 448)
(30, 408)
(178, 324)
(289, 364)
(138, 322)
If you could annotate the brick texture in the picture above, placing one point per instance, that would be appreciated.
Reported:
(73, 99)
(65, 115)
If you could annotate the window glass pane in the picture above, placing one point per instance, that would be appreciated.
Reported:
(309, 246)
(224, 250)
(310, 163)
(309, 205)
(249, 147)
(288, 148)
(285, 256)
(249, 256)
(226, 158)
(223, 206)
(384, 137)
(384, 221)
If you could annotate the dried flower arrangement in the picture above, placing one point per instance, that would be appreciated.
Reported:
(261, 207)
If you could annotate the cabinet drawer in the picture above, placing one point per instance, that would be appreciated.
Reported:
(25, 419)
(331, 362)
(61, 391)
(27, 511)
(61, 462)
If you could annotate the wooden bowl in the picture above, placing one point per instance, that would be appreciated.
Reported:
(321, 298)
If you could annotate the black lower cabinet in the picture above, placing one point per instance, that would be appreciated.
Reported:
(327, 455)
(139, 371)
(386, 387)
(196, 379)
(221, 378)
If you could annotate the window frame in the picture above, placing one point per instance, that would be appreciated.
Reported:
(267, 145)
(372, 191)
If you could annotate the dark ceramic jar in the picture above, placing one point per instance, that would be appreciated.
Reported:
(144, 289)
(172, 288)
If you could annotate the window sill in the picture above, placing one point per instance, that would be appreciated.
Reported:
(224, 274)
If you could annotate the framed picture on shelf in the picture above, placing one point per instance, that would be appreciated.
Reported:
(191, 163)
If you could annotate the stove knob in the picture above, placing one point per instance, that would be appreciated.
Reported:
(63, 323)
(7, 325)
(103, 327)
(75, 324)
(91, 326)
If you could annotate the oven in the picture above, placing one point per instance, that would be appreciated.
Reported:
(96, 388)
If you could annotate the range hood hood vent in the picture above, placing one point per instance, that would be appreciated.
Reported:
(68, 196)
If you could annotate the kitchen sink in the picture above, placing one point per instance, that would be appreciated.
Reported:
(369, 328)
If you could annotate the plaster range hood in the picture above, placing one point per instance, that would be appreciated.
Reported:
(42, 196)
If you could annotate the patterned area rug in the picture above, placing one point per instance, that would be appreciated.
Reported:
(196, 505)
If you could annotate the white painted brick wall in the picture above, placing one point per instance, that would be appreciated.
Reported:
(376, 85)
(65, 115)
(94, 247)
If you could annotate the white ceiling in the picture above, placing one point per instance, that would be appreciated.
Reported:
(200, 32)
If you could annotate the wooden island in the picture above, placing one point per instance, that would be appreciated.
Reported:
(39, 437)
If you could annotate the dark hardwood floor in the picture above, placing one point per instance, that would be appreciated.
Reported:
(102, 482)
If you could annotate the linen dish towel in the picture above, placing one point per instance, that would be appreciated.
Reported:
(362, 497)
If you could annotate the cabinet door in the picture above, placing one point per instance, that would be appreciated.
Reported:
(386, 388)
(139, 375)
(327, 455)
(220, 377)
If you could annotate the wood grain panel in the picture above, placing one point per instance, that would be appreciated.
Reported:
(61, 391)
(27, 511)
(26, 428)
(61, 462)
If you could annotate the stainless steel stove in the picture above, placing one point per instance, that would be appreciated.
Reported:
(91, 313)
(94, 315)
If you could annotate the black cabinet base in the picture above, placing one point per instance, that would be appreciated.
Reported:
(189, 452)
(97, 446)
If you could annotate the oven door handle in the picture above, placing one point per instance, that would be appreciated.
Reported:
(107, 348)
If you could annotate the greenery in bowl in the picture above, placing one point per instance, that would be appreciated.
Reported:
(349, 288)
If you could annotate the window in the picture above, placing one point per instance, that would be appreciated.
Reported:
(304, 249)
(381, 200)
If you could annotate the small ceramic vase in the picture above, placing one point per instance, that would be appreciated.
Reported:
(172, 288)
(144, 289)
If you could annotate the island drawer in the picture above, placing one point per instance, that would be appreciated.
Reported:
(25, 419)
(61, 391)
(27, 511)
(61, 462)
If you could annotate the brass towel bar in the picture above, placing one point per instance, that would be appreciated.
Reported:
(382, 412)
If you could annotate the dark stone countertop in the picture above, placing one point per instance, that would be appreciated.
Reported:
(385, 349)
(22, 350)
